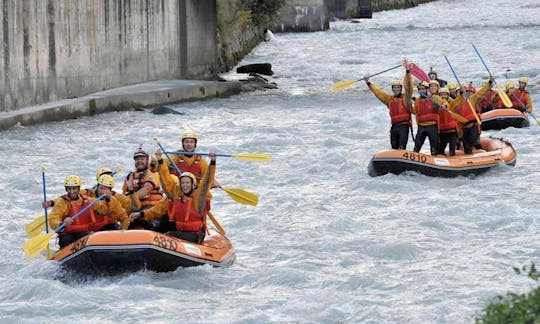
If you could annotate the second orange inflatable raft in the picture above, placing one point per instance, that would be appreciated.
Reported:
(495, 151)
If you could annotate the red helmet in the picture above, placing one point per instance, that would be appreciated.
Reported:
(470, 88)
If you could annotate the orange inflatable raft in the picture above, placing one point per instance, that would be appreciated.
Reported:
(504, 118)
(496, 151)
(115, 252)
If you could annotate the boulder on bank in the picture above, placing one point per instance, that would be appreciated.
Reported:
(257, 82)
(258, 68)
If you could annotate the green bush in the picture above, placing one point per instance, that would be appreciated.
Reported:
(515, 308)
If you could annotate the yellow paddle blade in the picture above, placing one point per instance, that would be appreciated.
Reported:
(37, 244)
(343, 85)
(216, 223)
(241, 196)
(254, 157)
(504, 97)
(36, 226)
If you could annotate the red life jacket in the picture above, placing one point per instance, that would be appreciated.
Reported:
(487, 102)
(398, 112)
(194, 168)
(466, 111)
(185, 216)
(518, 100)
(446, 121)
(426, 111)
(83, 221)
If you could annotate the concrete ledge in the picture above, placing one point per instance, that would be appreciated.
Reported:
(125, 98)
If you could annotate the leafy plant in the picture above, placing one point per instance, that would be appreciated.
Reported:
(515, 308)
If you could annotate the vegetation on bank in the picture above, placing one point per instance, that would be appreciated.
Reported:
(241, 25)
(515, 308)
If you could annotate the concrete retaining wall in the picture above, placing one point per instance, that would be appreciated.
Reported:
(303, 16)
(57, 49)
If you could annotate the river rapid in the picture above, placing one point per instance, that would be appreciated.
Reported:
(327, 243)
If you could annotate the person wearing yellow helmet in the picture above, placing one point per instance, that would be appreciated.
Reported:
(129, 201)
(142, 181)
(399, 105)
(93, 219)
(190, 162)
(521, 99)
(434, 87)
(187, 203)
(453, 89)
(427, 118)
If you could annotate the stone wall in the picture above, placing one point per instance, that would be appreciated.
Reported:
(58, 49)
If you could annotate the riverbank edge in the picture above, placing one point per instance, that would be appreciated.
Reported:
(138, 96)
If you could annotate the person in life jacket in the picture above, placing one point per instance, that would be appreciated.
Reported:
(485, 103)
(427, 118)
(453, 89)
(399, 105)
(187, 203)
(129, 201)
(471, 129)
(447, 125)
(145, 184)
(521, 97)
(101, 216)
(192, 163)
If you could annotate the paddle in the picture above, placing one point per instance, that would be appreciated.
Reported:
(239, 195)
(456, 116)
(418, 73)
(525, 107)
(41, 241)
(473, 109)
(254, 157)
(504, 97)
(36, 226)
(216, 223)
(347, 83)
(41, 223)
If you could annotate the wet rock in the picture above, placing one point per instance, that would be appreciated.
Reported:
(257, 82)
(163, 110)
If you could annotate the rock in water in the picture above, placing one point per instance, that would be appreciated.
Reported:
(163, 110)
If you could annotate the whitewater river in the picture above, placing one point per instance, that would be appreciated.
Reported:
(327, 243)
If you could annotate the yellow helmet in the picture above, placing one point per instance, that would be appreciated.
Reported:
(72, 181)
(452, 86)
(190, 134)
(106, 180)
(102, 171)
(423, 84)
(396, 83)
(444, 90)
(510, 85)
(190, 175)
(434, 82)
(524, 79)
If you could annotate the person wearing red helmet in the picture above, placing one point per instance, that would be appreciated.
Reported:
(399, 105)
(471, 129)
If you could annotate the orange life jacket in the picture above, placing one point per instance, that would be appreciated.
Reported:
(466, 111)
(154, 196)
(83, 221)
(487, 102)
(426, 111)
(184, 215)
(446, 121)
(398, 112)
(87, 221)
(518, 100)
(194, 168)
